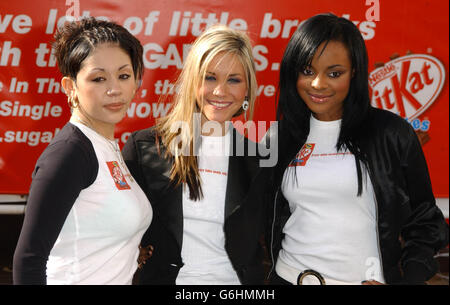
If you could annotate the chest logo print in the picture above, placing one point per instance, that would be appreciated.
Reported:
(117, 175)
(303, 155)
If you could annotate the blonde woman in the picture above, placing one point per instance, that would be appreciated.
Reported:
(207, 222)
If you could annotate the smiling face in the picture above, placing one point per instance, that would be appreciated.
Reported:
(324, 85)
(224, 88)
(105, 86)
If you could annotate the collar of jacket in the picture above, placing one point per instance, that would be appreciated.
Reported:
(240, 173)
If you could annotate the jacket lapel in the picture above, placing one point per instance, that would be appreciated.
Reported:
(171, 212)
(235, 185)
(167, 198)
(240, 172)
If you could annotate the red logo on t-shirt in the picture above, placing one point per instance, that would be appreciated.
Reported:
(303, 155)
(118, 177)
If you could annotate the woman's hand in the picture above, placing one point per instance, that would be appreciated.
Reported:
(144, 254)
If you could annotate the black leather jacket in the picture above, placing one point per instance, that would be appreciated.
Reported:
(244, 214)
(411, 228)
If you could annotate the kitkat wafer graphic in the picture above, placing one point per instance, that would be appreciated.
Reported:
(408, 85)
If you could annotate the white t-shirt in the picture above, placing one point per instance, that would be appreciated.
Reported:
(99, 241)
(331, 230)
(203, 251)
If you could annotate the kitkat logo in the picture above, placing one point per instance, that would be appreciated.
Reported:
(407, 85)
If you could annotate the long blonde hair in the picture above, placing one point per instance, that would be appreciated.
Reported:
(215, 40)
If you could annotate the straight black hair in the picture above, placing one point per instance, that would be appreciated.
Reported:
(293, 113)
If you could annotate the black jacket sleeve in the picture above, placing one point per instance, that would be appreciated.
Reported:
(66, 167)
(425, 231)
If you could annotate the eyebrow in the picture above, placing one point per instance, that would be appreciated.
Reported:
(233, 74)
(335, 66)
(103, 70)
(329, 67)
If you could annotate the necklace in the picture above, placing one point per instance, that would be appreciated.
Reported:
(114, 147)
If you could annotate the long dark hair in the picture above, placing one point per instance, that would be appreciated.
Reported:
(293, 113)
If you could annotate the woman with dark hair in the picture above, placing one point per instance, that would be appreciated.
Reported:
(352, 199)
(85, 213)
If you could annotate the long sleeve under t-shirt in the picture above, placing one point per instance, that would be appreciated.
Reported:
(84, 218)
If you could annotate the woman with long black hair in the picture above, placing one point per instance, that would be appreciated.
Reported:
(352, 200)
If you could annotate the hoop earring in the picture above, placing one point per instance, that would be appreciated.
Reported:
(73, 103)
(245, 106)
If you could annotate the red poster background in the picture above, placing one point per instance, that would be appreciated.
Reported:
(27, 71)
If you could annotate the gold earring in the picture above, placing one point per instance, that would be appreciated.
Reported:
(73, 103)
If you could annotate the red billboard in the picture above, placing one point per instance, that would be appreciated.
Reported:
(407, 43)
